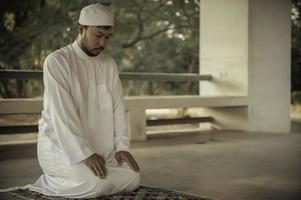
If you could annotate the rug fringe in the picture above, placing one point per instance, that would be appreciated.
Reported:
(14, 188)
(20, 196)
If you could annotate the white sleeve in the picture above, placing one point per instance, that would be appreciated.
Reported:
(63, 112)
(121, 138)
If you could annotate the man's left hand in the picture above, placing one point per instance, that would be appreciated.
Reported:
(128, 158)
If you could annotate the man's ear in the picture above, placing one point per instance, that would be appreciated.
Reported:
(80, 29)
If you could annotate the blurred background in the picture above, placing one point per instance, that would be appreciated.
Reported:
(160, 36)
(150, 36)
(145, 30)
(296, 55)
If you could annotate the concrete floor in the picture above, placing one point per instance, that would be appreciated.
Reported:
(232, 165)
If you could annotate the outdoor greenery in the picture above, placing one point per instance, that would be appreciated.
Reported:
(150, 36)
(296, 97)
(296, 52)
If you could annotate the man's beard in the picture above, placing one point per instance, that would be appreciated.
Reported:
(94, 52)
(97, 50)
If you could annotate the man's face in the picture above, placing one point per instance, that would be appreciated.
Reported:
(94, 39)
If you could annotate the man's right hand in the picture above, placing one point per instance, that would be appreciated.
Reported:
(96, 163)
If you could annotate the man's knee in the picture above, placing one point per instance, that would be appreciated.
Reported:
(133, 181)
(103, 187)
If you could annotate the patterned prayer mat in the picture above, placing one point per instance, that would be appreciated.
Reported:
(143, 192)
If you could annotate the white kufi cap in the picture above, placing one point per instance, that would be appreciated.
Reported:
(96, 15)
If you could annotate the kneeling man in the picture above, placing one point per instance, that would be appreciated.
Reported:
(83, 143)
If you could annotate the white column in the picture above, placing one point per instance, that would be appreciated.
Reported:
(137, 123)
(245, 45)
(224, 46)
(269, 65)
(224, 55)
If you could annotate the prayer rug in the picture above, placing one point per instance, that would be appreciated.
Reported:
(143, 192)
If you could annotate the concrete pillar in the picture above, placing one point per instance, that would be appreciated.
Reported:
(245, 45)
(137, 123)
(269, 65)
(224, 46)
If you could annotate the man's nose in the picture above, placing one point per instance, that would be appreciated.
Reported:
(102, 41)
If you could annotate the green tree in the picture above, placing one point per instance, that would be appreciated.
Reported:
(150, 36)
(296, 46)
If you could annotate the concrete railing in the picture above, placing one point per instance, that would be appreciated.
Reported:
(135, 105)
(146, 76)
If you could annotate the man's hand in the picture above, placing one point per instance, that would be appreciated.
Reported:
(128, 158)
(97, 164)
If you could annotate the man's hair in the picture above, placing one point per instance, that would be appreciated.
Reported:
(104, 27)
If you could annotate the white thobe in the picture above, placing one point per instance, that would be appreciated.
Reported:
(83, 114)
